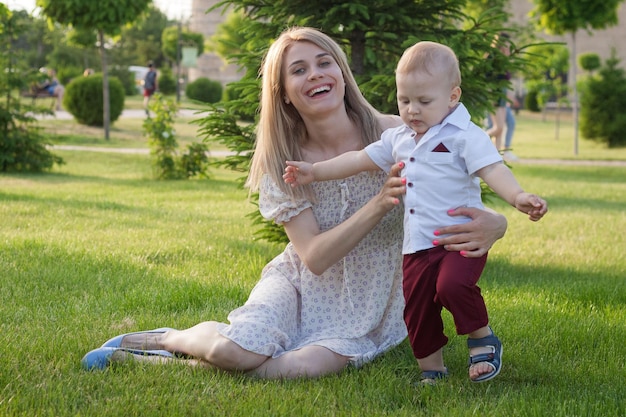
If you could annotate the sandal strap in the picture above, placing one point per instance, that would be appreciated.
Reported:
(491, 340)
(483, 357)
(434, 375)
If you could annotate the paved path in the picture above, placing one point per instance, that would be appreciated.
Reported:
(522, 161)
(131, 114)
(143, 151)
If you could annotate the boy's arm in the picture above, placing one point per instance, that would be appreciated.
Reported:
(501, 180)
(342, 166)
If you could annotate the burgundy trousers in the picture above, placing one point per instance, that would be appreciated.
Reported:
(433, 279)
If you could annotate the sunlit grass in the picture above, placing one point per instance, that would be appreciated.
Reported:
(97, 248)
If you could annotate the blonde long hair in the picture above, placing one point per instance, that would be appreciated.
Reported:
(281, 130)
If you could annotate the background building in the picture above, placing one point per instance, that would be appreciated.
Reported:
(209, 65)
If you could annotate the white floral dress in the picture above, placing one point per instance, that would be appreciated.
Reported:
(355, 308)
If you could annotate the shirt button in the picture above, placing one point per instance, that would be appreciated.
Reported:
(410, 184)
(412, 159)
(412, 211)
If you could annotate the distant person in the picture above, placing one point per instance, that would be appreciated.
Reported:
(149, 86)
(88, 72)
(53, 87)
(498, 118)
(509, 120)
(443, 156)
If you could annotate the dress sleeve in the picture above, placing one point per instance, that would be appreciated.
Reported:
(274, 204)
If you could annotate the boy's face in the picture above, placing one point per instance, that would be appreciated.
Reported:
(424, 100)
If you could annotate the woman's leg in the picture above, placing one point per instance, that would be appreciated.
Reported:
(212, 350)
(498, 119)
(510, 127)
(59, 91)
(204, 342)
(309, 362)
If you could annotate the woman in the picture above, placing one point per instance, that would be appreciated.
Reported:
(334, 296)
(498, 119)
(54, 88)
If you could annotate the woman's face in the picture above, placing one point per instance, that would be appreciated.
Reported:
(313, 81)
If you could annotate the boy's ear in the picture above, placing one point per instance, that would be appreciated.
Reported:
(455, 96)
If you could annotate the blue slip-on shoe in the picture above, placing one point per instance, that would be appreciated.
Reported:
(100, 358)
(116, 342)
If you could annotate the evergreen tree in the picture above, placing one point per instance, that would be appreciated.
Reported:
(374, 35)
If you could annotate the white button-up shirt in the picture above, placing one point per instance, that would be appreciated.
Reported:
(439, 170)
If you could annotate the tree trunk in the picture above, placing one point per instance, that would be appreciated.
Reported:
(575, 93)
(357, 46)
(106, 110)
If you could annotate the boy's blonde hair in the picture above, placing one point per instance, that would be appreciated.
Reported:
(281, 130)
(432, 58)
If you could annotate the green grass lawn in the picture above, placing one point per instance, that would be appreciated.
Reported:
(97, 248)
(537, 136)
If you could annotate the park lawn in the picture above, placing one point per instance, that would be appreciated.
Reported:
(537, 135)
(97, 248)
(551, 136)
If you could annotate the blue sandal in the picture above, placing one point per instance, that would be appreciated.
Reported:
(493, 359)
(431, 377)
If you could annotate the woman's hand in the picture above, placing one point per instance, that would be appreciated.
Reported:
(320, 250)
(475, 238)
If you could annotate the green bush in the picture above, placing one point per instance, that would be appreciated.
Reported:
(67, 74)
(531, 101)
(162, 139)
(23, 147)
(83, 99)
(166, 82)
(602, 104)
(589, 61)
(127, 79)
(204, 90)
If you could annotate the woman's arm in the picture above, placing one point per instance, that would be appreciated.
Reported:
(320, 250)
(475, 238)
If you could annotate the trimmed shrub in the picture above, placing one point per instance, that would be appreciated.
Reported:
(204, 90)
(531, 101)
(67, 74)
(589, 61)
(602, 104)
(166, 82)
(83, 99)
(127, 78)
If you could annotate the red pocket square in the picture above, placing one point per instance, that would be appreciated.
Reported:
(440, 148)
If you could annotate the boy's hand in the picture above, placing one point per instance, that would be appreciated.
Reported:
(298, 173)
(531, 204)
